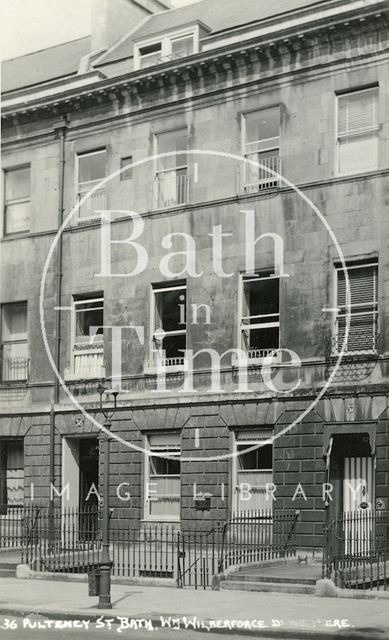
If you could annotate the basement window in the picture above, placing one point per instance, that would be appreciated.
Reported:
(11, 473)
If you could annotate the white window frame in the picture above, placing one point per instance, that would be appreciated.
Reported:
(268, 180)
(256, 435)
(90, 347)
(147, 489)
(21, 341)
(99, 193)
(166, 45)
(178, 168)
(361, 265)
(153, 352)
(14, 201)
(373, 130)
(243, 327)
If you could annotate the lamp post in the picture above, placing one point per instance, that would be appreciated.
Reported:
(105, 560)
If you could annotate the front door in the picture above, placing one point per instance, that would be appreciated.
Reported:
(358, 490)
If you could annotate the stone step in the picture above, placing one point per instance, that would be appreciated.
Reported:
(257, 577)
(7, 570)
(276, 587)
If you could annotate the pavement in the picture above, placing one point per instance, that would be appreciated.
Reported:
(258, 614)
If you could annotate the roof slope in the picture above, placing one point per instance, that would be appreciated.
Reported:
(218, 15)
(41, 66)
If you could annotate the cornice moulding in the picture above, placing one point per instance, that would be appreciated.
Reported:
(224, 60)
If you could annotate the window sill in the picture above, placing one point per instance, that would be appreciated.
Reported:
(72, 377)
(164, 520)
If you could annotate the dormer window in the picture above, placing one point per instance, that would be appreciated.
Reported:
(172, 47)
(150, 54)
(182, 46)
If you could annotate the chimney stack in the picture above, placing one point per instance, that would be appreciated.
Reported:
(112, 19)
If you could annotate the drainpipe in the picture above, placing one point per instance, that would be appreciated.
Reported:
(60, 131)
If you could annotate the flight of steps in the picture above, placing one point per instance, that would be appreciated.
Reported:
(293, 577)
(9, 560)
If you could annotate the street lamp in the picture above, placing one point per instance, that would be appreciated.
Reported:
(105, 560)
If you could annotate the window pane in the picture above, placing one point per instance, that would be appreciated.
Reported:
(357, 111)
(12, 459)
(182, 47)
(261, 125)
(260, 458)
(17, 217)
(17, 183)
(150, 54)
(362, 333)
(176, 141)
(170, 310)
(364, 308)
(363, 285)
(165, 466)
(91, 167)
(359, 153)
(87, 316)
(126, 174)
(174, 346)
(150, 48)
(264, 339)
(262, 298)
(14, 322)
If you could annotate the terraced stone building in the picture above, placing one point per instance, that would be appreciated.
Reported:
(229, 125)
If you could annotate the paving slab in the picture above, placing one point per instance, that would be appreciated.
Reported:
(282, 615)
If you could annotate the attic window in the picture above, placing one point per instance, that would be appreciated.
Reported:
(168, 48)
(150, 54)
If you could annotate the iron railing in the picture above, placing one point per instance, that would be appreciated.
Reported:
(15, 521)
(256, 178)
(247, 538)
(69, 541)
(361, 343)
(170, 189)
(96, 202)
(258, 535)
(356, 549)
(15, 369)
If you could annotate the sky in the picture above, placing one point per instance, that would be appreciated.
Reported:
(30, 25)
